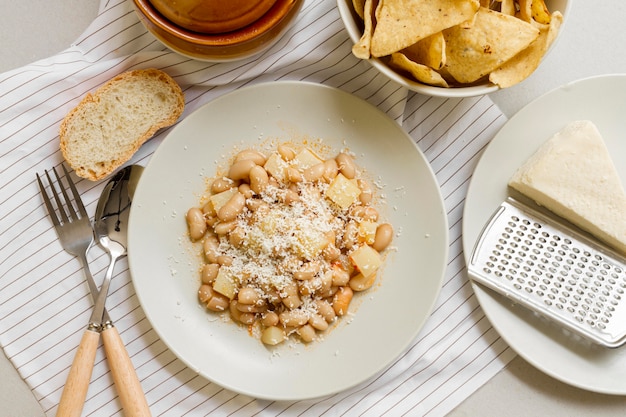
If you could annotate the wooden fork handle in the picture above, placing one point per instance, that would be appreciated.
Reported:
(77, 383)
(128, 386)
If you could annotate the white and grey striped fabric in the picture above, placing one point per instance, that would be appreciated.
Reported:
(45, 303)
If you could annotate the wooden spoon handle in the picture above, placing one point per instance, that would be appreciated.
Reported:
(77, 383)
(128, 386)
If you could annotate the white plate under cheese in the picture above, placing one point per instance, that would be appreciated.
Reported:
(573, 175)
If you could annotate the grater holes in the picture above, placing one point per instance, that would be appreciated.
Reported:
(557, 271)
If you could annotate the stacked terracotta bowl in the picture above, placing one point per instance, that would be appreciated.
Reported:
(217, 30)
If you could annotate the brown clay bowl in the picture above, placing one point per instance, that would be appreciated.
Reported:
(238, 44)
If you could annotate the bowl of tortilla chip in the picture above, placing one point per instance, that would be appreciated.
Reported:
(453, 48)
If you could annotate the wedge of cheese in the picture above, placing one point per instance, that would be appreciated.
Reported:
(572, 175)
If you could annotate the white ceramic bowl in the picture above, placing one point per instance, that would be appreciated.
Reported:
(354, 26)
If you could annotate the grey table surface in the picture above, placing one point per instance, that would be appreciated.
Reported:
(593, 42)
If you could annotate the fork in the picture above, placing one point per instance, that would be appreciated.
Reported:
(76, 235)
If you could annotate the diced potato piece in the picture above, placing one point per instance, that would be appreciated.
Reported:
(366, 259)
(360, 282)
(269, 223)
(342, 191)
(312, 243)
(224, 284)
(276, 166)
(218, 200)
(306, 159)
(367, 231)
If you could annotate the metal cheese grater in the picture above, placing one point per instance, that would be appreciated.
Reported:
(553, 270)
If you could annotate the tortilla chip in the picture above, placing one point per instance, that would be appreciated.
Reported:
(507, 7)
(430, 51)
(420, 72)
(526, 62)
(361, 49)
(540, 12)
(494, 39)
(359, 7)
(401, 23)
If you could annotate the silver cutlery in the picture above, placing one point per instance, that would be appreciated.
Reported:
(76, 235)
(111, 226)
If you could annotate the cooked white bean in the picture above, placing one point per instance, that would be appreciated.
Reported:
(325, 309)
(251, 308)
(223, 228)
(331, 168)
(350, 235)
(306, 333)
(211, 249)
(340, 276)
(252, 155)
(269, 318)
(291, 197)
(273, 335)
(213, 300)
(315, 172)
(326, 281)
(255, 204)
(341, 300)
(224, 260)
(241, 170)
(247, 318)
(248, 295)
(246, 190)
(366, 195)
(360, 282)
(286, 152)
(384, 235)
(291, 299)
(293, 318)
(205, 292)
(318, 322)
(234, 312)
(222, 184)
(233, 207)
(307, 271)
(196, 223)
(259, 180)
(293, 175)
(331, 252)
(346, 165)
(209, 273)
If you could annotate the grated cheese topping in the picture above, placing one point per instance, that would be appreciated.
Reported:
(295, 245)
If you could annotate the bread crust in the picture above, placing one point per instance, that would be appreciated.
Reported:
(92, 101)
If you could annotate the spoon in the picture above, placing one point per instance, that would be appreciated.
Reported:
(111, 225)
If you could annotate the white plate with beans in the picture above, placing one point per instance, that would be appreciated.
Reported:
(167, 266)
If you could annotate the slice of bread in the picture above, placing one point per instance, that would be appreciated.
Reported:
(572, 175)
(107, 127)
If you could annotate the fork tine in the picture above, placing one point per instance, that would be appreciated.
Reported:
(68, 201)
(77, 199)
(46, 200)
(56, 196)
